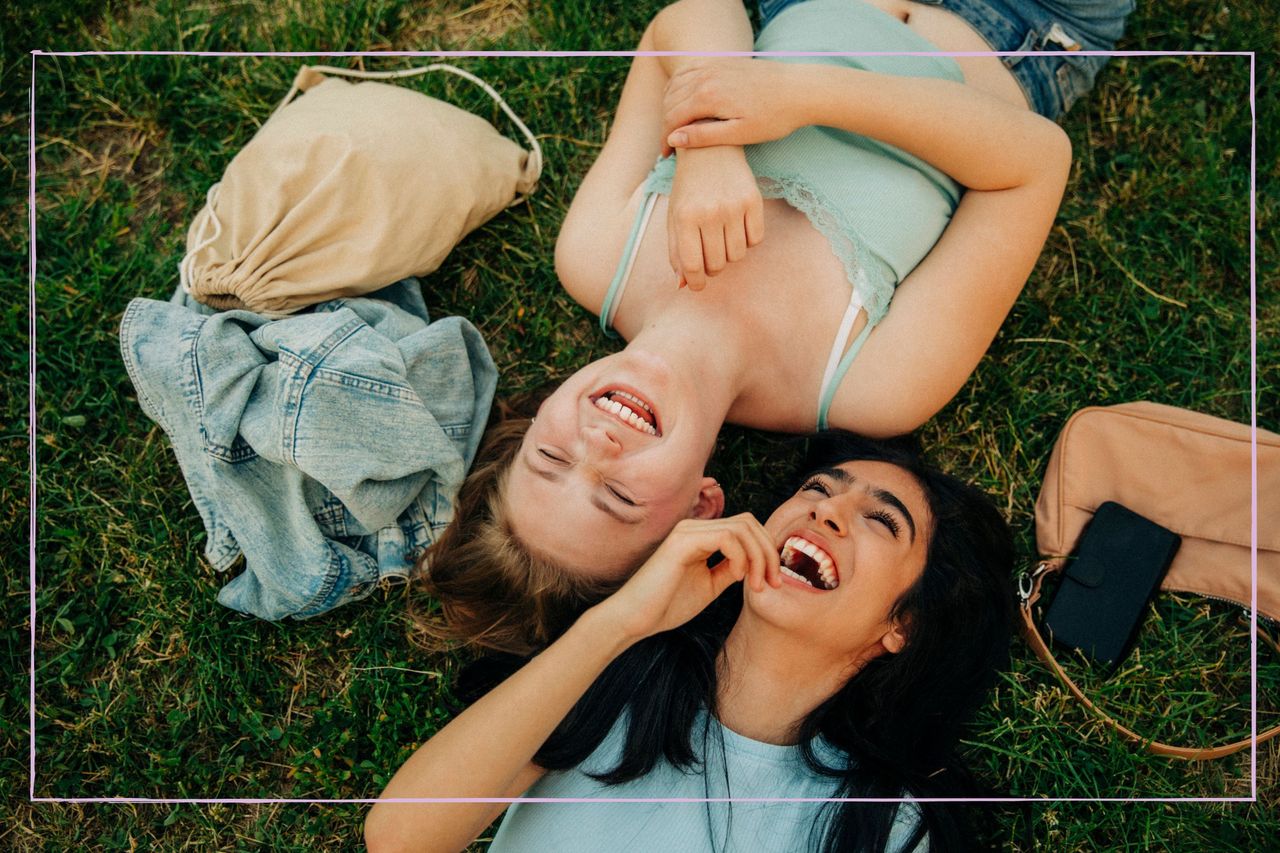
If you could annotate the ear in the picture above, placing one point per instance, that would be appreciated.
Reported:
(895, 639)
(710, 500)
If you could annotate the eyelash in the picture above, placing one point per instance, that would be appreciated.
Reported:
(888, 520)
(816, 484)
(556, 459)
(620, 496)
(880, 515)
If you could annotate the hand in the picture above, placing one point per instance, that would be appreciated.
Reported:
(675, 584)
(715, 213)
(731, 102)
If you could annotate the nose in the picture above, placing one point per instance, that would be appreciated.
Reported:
(600, 441)
(827, 513)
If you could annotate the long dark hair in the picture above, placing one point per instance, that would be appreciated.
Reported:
(899, 719)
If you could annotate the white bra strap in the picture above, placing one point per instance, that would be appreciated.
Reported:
(535, 150)
(842, 340)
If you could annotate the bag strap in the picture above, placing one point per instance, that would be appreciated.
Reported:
(1028, 595)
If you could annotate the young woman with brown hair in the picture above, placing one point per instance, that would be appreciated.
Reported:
(835, 242)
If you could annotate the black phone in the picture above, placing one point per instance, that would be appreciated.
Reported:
(1106, 587)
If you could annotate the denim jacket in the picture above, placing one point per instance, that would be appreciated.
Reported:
(326, 447)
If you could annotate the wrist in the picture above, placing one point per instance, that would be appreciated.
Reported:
(605, 629)
(711, 152)
(818, 94)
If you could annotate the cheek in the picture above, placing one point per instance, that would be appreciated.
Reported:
(786, 516)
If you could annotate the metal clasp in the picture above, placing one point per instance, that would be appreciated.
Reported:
(1027, 581)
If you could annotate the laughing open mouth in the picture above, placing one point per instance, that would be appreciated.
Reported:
(808, 563)
(629, 409)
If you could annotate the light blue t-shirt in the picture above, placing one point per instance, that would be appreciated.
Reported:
(753, 770)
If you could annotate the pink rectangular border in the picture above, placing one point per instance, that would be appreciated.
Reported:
(1253, 406)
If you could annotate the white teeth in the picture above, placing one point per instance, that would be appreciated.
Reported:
(795, 575)
(633, 398)
(625, 414)
(826, 566)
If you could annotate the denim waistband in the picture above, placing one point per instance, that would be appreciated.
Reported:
(1051, 83)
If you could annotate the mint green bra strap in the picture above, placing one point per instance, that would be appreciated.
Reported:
(625, 263)
(829, 392)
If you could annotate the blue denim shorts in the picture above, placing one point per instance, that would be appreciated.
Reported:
(1052, 83)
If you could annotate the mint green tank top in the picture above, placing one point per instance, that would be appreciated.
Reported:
(880, 208)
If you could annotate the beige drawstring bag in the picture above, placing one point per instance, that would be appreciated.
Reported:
(349, 188)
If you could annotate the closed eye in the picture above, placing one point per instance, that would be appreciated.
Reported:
(620, 496)
(547, 454)
(887, 520)
(815, 484)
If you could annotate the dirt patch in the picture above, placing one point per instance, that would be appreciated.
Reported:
(462, 26)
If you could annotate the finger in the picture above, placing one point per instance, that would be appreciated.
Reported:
(754, 222)
(740, 541)
(756, 571)
(773, 572)
(713, 251)
(765, 556)
(705, 134)
(735, 242)
(689, 249)
(737, 527)
(722, 577)
(765, 567)
(736, 561)
(682, 106)
(673, 245)
(677, 111)
(695, 542)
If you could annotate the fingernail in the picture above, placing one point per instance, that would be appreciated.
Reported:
(678, 138)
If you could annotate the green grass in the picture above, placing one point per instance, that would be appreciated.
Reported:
(146, 687)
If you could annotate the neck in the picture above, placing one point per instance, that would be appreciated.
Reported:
(697, 343)
(769, 682)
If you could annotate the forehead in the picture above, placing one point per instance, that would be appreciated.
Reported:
(873, 476)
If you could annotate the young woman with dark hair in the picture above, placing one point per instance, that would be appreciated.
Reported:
(852, 230)
(875, 610)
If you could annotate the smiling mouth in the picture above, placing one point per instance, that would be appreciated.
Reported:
(807, 563)
(629, 409)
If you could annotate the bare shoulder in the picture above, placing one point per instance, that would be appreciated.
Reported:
(591, 242)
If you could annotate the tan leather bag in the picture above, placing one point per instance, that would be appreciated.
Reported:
(1186, 471)
(349, 188)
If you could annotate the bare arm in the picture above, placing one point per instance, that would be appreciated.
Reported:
(487, 751)
(1013, 162)
(599, 218)
(981, 141)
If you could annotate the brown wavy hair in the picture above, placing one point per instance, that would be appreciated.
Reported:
(478, 585)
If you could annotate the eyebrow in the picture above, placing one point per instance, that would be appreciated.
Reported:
(883, 495)
(596, 501)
